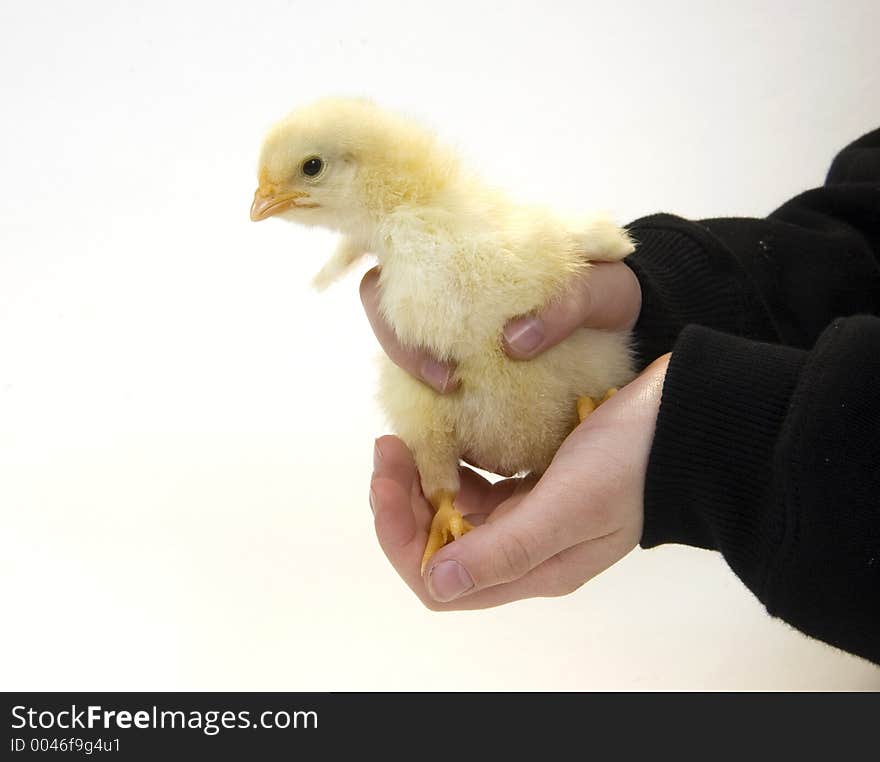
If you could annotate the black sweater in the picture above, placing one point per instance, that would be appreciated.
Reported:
(767, 445)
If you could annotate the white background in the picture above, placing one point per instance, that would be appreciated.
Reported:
(186, 428)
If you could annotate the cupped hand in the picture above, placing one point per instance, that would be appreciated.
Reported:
(533, 538)
(606, 296)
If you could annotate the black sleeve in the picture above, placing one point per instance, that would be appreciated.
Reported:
(781, 279)
(767, 445)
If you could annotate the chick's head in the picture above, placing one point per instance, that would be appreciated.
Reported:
(342, 163)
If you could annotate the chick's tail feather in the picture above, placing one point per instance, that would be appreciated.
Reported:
(602, 240)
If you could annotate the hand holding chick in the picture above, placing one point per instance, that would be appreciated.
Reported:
(538, 538)
(458, 260)
(609, 299)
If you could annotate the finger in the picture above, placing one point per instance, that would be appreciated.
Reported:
(393, 485)
(402, 515)
(562, 510)
(607, 295)
(560, 574)
(402, 538)
(416, 362)
(392, 459)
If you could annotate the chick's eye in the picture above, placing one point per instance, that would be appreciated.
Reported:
(313, 166)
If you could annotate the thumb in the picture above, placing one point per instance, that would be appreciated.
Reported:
(593, 488)
(606, 296)
(523, 536)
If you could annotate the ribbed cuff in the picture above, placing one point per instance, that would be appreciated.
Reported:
(687, 276)
(724, 403)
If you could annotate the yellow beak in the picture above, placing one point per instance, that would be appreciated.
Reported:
(267, 203)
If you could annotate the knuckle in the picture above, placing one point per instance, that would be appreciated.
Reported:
(514, 557)
(582, 294)
(570, 311)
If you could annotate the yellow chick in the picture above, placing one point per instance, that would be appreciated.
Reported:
(458, 260)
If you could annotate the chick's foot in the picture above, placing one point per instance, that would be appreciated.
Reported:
(586, 405)
(448, 525)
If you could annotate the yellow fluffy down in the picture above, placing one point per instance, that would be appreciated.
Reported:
(458, 261)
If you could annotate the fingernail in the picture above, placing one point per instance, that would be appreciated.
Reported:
(448, 580)
(377, 455)
(525, 335)
(372, 501)
(436, 374)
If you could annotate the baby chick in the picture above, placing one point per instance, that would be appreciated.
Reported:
(458, 260)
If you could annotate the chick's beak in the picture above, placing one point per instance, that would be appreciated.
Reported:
(266, 202)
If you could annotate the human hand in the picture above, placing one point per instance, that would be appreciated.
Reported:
(607, 296)
(533, 538)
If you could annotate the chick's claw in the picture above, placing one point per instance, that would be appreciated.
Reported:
(608, 395)
(448, 525)
(586, 405)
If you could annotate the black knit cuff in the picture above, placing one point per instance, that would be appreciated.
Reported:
(687, 276)
(724, 402)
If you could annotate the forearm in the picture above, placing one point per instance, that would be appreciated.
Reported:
(769, 454)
